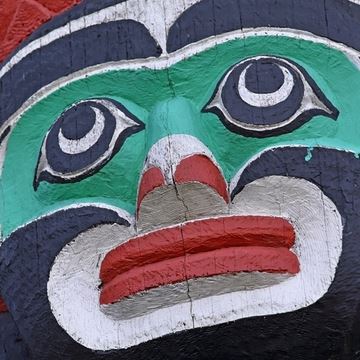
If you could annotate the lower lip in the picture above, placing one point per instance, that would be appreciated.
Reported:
(197, 249)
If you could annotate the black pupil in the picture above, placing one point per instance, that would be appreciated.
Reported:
(263, 77)
(78, 121)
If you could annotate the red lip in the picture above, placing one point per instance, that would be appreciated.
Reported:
(201, 248)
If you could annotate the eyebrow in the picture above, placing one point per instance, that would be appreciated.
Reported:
(337, 20)
(102, 43)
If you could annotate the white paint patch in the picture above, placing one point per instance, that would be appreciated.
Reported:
(176, 203)
(167, 153)
(73, 284)
(73, 291)
(268, 99)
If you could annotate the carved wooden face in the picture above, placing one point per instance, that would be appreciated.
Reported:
(182, 185)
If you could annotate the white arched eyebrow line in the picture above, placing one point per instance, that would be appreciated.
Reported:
(153, 14)
(166, 61)
(146, 12)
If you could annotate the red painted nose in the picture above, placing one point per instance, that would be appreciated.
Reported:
(193, 169)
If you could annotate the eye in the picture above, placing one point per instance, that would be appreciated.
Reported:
(266, 96)
(83, 139)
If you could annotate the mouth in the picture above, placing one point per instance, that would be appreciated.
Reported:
(199, 249)
(174, 268)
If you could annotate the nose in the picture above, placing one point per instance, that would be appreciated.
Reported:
(181, 179)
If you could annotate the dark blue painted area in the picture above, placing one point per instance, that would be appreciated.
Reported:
(26, 258)
(12, 346)
(264, 77)
(78, 120)
(334, 19)
(120, 40)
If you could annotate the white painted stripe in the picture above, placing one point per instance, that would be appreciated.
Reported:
(74, 147)
(153, 14)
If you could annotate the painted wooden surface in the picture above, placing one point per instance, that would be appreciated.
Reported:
(180, 180)
(21, 17)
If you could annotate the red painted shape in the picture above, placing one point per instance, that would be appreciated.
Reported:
(201, 169)
(216, 262)
(3, 307)
(151, 179)
(166, 248)
(194, 237)
(19, 18)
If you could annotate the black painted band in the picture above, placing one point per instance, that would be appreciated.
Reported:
(26, 258)
(114, 41)
(337, 20)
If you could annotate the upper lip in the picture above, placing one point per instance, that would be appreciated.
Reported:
(199, 248)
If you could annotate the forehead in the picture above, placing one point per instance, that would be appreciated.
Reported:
(139, 29)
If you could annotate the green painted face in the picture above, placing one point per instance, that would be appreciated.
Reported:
(170, 101)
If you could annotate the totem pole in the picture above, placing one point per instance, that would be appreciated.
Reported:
(181, 180)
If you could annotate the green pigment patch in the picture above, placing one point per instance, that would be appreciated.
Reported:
(170, 101)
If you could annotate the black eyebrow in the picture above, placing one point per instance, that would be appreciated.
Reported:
(84, 8)
(338, 20)
(113, 41)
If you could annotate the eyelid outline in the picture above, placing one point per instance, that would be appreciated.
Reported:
(121, 133)
(314, 103)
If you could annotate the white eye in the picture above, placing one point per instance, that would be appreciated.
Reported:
(83, 139)
(266, 96)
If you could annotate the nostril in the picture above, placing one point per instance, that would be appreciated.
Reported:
(151, 179)
(199, 168)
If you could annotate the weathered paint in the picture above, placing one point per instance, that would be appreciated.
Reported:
(20, 18)
(202, 248)
(118, 124)
(319, 131)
